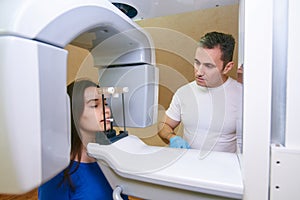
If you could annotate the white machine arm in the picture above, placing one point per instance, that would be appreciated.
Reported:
(146, 171)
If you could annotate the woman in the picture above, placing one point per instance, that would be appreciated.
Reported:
(82, 179)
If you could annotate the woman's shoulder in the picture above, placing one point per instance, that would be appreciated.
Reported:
(91, 182)
(55, 188)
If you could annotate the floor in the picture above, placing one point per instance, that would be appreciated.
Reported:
(33, 195)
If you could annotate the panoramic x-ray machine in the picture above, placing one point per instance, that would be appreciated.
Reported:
(35, 119)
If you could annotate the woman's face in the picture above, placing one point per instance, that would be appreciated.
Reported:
(92, 119)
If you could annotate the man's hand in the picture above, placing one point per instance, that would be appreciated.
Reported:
(178, 142)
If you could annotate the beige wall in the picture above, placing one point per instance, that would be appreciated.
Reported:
(175, 39)
(80, 64)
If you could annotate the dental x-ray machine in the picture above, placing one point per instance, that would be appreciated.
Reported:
(34, 117)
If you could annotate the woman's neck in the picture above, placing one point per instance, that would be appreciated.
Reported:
(86, 137)
(85, 158)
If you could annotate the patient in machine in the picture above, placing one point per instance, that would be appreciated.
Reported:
(82, 179)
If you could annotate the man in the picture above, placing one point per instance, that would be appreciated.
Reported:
(209, 106)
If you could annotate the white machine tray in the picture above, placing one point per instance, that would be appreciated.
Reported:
(214, 173)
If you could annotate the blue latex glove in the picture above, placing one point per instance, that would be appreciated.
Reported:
(178, 142)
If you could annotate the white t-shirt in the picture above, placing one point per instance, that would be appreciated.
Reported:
(209, 115)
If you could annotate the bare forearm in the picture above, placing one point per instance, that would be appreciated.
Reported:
(166, 132)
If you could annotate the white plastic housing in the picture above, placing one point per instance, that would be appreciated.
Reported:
(34, 108)
(167, 173)
(34, 117)
(140, 102)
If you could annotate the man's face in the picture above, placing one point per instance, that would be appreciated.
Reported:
(208, 67)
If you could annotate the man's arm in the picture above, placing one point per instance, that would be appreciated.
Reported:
(166, 129)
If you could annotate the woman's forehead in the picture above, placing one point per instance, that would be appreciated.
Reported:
(91, 93)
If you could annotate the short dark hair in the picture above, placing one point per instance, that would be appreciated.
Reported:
(225, 41)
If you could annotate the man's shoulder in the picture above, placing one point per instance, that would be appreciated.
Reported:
(235, 90)
(235, 84)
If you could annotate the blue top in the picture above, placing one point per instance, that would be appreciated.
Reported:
(89, 181)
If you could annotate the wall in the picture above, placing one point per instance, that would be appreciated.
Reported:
(80, 64)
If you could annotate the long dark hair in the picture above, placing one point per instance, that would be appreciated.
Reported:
(76, 91)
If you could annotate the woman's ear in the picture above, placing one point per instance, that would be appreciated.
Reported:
(228, 67)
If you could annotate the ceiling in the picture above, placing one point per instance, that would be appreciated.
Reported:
(157, 8)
